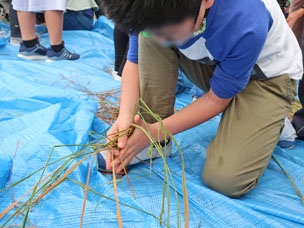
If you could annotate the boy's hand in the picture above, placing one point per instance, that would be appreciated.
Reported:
(129, 148)
(121, 125)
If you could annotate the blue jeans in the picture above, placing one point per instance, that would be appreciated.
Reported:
(78, 20)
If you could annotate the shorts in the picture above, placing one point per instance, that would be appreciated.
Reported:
(38, 5)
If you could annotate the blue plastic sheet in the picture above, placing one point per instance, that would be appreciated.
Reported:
(47, 104)
(4, 33)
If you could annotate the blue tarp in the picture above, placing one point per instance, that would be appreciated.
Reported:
(46, 104)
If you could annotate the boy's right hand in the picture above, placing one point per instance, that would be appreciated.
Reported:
(121, 125)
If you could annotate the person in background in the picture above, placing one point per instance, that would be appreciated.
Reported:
(30, 48)
(100, 12)
(15, 29)
(284, 4)
(14, 24)
(79, 15)
(296, 22)
(121, 44)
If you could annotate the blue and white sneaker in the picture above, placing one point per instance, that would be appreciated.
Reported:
(64, 54)
(144, 155)
(38, 52)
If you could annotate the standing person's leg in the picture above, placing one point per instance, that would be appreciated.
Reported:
(30, 47)
(27, 21)
(54, 24)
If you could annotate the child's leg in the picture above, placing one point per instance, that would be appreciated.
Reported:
(158, 70)
(27, 21)
(247, 136)
(250, 126)
(249, 130)
(54, 23)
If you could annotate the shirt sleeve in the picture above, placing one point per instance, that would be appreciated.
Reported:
(133, 49)
(232, 74)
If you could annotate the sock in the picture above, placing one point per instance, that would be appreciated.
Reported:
(30, 43)
(58, 48)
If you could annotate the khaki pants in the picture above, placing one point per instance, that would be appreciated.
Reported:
(249, 129)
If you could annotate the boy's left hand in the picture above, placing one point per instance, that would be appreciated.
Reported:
(136, 143)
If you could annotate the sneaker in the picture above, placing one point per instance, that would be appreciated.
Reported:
(144, 155)
(37, 52)
(288, 136)
(15, 41)
(116, 76)
(64, 54)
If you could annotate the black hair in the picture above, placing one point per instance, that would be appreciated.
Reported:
(138, 15)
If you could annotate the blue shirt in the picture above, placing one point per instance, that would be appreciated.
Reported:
(235, 34)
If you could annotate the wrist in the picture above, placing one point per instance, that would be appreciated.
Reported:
(127, 118)
(154, 130)
(158, 133)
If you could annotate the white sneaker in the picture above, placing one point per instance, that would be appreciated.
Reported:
(116, 76)
(144, 155)
(15, 41)
(288, 135)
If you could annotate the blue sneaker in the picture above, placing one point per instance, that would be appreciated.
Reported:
(38, 52)
(64, 54)
(144, 155)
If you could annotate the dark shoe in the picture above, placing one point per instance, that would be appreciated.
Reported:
(38, 52)
(64, 54)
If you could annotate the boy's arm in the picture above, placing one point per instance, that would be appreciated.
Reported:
(202, 110)
(129, 99)
(196, 113)
(129, 91)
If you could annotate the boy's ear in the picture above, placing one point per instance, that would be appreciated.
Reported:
(208, 3)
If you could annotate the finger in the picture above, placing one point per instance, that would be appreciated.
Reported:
(122, 141)
(137, 119)
(112, 134)
(116, 153)
(109, 160)
(123, 164)
(121, 161)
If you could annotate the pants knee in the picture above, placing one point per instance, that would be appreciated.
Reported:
(227, 183)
